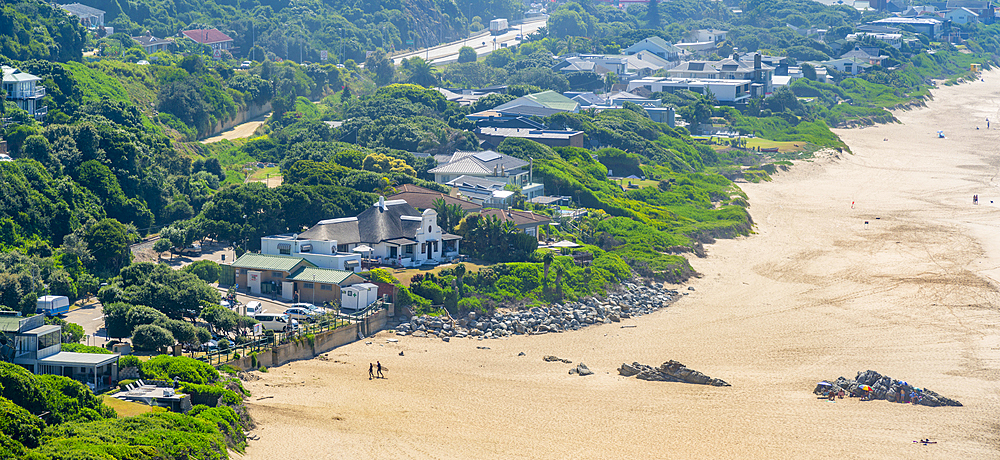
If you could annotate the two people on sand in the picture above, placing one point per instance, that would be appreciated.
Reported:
(372, 369)
(975, 199)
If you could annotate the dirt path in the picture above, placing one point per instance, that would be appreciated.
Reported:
(815, 294)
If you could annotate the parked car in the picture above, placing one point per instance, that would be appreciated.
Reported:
(253, 308)
(303, 313)
(277, 323)
(193, 250)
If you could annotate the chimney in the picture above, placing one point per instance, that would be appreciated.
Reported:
(381, 202)
(756, 61)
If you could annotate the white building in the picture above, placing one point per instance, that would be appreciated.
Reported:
(724, 90)
(358, 296)
(894, 40)
(23, 89)
(961, 16)
(657, 46)
(391, 232)
(89, 16)
(490, 165)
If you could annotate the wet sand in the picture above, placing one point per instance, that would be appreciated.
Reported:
(813, 295)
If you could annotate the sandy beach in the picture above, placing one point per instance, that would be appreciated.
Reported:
(815, 294)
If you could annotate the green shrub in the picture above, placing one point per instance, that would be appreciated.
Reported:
(19, 424)
(381, 275)
(228, 369)
(81, 348)
(129, 361)
(210, 395)
(123, 384)
(65, 399)
(164, 367)
(164, 435)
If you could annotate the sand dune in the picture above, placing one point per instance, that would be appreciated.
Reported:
(815, 294)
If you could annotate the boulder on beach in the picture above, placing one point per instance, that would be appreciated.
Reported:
(553, 359)
(885, 388)
(670, 371)
(581, 369)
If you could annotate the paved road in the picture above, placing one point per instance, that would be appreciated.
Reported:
(91, 318)
(483, 44)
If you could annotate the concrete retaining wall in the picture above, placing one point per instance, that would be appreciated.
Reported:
(242, 116)
(323, 342)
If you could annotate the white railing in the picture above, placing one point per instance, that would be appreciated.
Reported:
(37, 93)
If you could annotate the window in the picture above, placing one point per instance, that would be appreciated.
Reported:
(428, 229)
(307, 285)
(50, 339)
(284, 248)
(276, 275)
(341, 248)
(306, 248)
(325, 287)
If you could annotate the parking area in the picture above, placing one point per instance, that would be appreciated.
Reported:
(90, 316)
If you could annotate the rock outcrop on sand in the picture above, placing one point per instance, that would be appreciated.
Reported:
(670, 371)
(886, 388)
(630, 300)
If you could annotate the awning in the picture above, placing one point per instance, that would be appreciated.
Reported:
(351, 263)
(450, 237)
(363, 248)
(306, 248)
(400, 241)
(286, 246)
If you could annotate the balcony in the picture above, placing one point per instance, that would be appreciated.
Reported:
(38, 93)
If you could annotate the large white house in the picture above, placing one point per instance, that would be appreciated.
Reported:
(724, 90)
(490, 165)
(392, 232)
(23, 89)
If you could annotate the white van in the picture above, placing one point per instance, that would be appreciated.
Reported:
(252, 308)
(275, 322)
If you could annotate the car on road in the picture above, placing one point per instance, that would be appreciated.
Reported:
(253, 308)
(193, 250)
(277, 323)
(301, 314)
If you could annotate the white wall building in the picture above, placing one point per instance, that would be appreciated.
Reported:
(358, 296)
(724, 90)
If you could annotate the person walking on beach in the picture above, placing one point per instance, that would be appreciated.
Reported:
(371, 373)
(380, 370)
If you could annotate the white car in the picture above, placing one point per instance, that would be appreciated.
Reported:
(277, 323)
(303, 313)
(253, 308)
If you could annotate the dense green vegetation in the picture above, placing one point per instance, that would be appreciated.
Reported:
(54, 417)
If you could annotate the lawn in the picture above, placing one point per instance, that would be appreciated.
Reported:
(783, 147)
(404, 275)
(129, 409)
(261, 174)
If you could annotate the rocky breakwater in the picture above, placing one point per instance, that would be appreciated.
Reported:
(885, 388)
(630, 300)
(670, 371)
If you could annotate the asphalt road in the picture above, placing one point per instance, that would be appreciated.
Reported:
(483, 44)
(91, 318)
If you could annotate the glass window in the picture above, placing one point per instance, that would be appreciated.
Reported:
(285, 250)
(307, 285)
(50, 339)
(325, 287)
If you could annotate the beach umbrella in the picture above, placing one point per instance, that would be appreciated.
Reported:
(825, 384)
(866, 387)
(363, 248)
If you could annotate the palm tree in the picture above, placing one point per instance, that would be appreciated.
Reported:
(560, 271)
(422, 73)
(546, 262)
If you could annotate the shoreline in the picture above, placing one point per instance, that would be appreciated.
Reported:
(814, 293)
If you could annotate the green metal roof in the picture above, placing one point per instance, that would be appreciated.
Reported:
(10, 323)
(320, 275)
(269, 262)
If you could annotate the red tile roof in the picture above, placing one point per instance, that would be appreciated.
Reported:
(207, 36)
(518, 218)
(423, 198)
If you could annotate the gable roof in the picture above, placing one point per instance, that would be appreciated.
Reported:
(320, 275)
(343, 231)
(956, 10)
(971, 4)
(380, 223)
(81, 9)
(269, 262)
(424, 198)
(518, 218)
(857, 53)
(656, 41)
(149, 40)
(207, 36)
(14, 75)
(547, 99)
(479, 163)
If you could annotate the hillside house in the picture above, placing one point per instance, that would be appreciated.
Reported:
(36, 346)
(211, 37)
(90, 17)
(23, 89)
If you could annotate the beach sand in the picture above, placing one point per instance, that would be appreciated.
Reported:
(813, 295)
